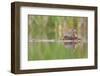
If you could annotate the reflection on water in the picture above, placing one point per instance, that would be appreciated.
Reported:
(72, 44)
(67, 43)
(70, 40)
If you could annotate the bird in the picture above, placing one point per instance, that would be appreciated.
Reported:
(71, 38)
